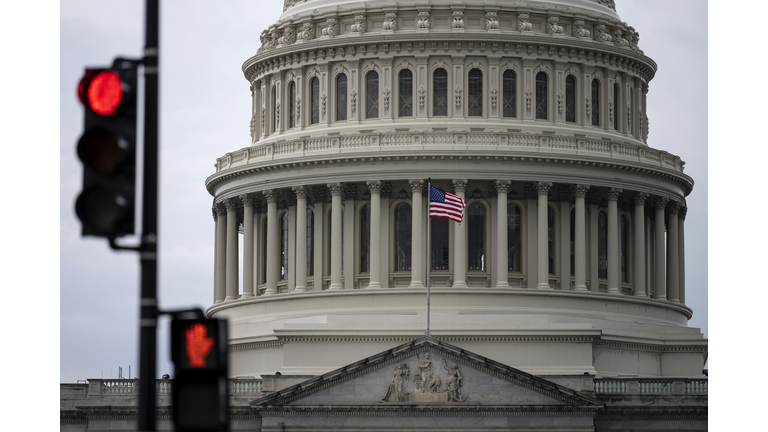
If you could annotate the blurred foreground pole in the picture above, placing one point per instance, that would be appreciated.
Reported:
(148, 303)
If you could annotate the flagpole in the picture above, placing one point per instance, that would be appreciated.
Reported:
(429, 244)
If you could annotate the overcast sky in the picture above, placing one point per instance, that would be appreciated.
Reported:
(205, 112)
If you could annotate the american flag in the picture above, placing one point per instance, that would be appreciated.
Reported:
(444, 204)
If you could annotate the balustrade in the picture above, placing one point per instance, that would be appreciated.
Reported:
(165, 386)
(610, 386)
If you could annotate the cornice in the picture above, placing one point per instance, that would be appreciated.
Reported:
(429, 410)
(373, 45)
(396, 154)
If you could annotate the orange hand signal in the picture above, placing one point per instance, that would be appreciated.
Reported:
(198, 345)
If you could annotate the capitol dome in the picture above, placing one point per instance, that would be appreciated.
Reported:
(570, 255)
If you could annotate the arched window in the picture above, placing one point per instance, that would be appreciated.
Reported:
(623, 249)
(509, 94)
(314, 84)
(476, 236)
(570, 99)
(616, 106)
(514, 251)
(403, 237)
(551, 240)
(595, 102)
(541, 96)
(440, 92)
(438, 248)
(365, 239)
(372, 95)
(284, 246)
(341, 97)
(274, 109)
(405, 86)
(310, 242)
(475, 93)
(292, 104)
(602, 245)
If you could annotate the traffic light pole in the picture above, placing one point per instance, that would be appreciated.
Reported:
(148, 248)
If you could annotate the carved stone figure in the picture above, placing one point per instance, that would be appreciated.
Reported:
(253, 128)
(458, 20)
(353, 100)
(457, 96)
(398, 384)
(422, 97)
(609, 3)
(491, 21)
(602, 36)
(288, 37)
(390, 21)
(323, 98)
(552, 27)
(359, 25)
(274, 36)
(423, 22)
(453, 383)
(633, 37)
(618, 40)
(386, 99)
(264, 39)
(307, 32)
(332, 29)
(528, 95)
(430, 383)
(523, 24)
(578, 29)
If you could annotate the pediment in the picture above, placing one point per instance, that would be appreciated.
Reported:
(427, 372)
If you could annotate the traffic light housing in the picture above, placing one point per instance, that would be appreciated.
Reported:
(107, 149)
(200, 386)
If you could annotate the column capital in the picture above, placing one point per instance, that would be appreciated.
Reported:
(460, 185)
(213, 211)
(386, 189)
(542, 188)
(416, 185)
(580, 190)
(374, 186)
(502, 186)
(336, 188)
(271, 195)
(220, 209)
(640, 198)
(301, 191)
(231, 204)
(613, 194)
(683, 211)
(674, 207)
(660, 203)
(248, 200)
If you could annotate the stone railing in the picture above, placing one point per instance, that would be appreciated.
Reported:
(610, 386)
(380, 144)
(165, 386)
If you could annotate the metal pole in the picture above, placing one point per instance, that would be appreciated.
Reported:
(148, 256)
(429, 244)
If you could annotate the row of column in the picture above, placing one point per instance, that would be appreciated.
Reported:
(668, 267)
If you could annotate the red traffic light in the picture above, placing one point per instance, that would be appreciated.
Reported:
(101, 91)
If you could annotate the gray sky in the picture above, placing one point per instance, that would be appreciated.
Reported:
(205, 112)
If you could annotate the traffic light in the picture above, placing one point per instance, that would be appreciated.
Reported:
(107, 149)
(200, 386)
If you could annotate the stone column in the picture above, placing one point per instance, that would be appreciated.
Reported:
(639, 241)
(542, 188)
(673, 273)
(614, 262)
(659, 291)
(221, 253)
(232, 256)
(649, 276)
(681, 251)
(336, 191)
(502, 248)
(580, 239)
(273, 233)
(348, 227)
(460, 242)
(417, 251)
(301, 238)
(375, 244)
(248, 281)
